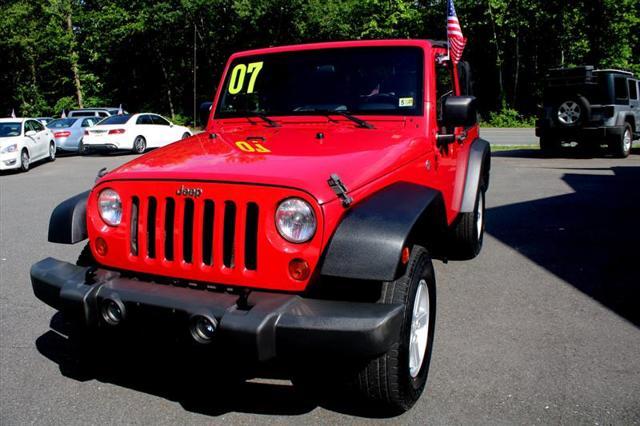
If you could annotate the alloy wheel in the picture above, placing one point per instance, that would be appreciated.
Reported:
(569, 112)
(419, 329)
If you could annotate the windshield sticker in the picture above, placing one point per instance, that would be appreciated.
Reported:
(238, 74)
(405, 102)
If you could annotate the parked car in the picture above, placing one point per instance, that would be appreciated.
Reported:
(24, 141)
(301, 225)
(44, 120)
(135, 133)
(94, 112)
(68, 132)
(590, 107)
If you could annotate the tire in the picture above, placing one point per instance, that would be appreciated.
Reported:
(86, 257)
(549, 146)
(139, 145)
(621, 147)
(24, 161)
(467, 235)
(571, 112)
(52, 151)
(82, 148)
(185, 135)
(394, 381)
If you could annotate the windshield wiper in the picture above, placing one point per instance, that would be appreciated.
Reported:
(360, 122)
(346, 114)
(269, 121)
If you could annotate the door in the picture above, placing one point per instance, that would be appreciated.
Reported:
(164, 130)
(446, 152)
(42, 137)
(634, 100)
(32, 140)
(144, 126)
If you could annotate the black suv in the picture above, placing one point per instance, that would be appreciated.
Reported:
(590, 107)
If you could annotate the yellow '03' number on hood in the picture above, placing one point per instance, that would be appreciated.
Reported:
(238, 74)
(252, 146)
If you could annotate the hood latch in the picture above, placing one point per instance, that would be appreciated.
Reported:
(341, 191)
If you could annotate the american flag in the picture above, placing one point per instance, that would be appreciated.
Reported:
(454, 34)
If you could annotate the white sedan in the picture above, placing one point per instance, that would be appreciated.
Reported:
(133, 132)
(24, 141)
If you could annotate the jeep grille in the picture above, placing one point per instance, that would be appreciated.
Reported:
(186, 229)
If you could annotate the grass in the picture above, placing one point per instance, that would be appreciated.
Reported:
(495, 148)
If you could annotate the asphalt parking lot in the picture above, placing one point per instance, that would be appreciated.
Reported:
(543, 327)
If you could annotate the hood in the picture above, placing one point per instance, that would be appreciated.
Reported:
(284, 156)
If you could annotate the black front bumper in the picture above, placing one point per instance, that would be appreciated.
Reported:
(268, 325)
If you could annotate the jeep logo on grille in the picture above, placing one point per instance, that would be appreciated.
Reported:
(189, 192)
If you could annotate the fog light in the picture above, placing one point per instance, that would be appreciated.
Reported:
(101, 246)
(299, 269)
(112, 312)
(203, 329)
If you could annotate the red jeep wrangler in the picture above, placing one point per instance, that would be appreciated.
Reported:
(302, 223)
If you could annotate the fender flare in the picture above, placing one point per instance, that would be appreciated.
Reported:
(479, 164)
(68, 222)
(368, 242)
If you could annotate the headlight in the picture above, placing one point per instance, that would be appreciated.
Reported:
(110, 207)
(295, 220)
(10, 148)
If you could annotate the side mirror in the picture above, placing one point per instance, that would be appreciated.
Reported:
(205, 109)
(460, 111)
(30, 133)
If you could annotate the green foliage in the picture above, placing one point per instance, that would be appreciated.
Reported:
(182, 120)
(139, 53)
(508, 117)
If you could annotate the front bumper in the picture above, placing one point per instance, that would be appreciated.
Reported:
(10, 160)
(268, 325)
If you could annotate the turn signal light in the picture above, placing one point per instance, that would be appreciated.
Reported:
(299, 269)
(61, 134)
(101, 246)
(116, 131)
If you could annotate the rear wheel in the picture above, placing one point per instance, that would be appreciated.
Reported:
(52, 151)
(24, 161)
(467, 235)
(82, 148)
(185, 135)
(621, 147)
(139, 145)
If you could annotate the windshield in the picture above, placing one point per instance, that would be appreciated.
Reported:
(367, 80)
(9, 129)
(61, 123)
(115, 119)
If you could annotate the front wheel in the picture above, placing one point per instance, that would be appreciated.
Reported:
(24, 161)
(396, 379)
(52, 151)
(139, 145)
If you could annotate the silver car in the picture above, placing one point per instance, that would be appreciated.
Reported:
(68, 132)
